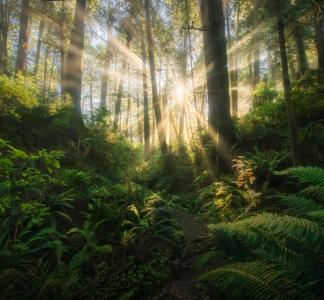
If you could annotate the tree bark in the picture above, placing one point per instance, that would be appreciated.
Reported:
(301, 52)
(45, 71)
(155, 97)
(75, 56)
(62, 48)
(256, 66)
(287, 90)
(104, 79)
(145, 97)
(21, 61)
(319, 26)
(39, 43)
(220, 124)
(120, 90)
(5, 12)
(183, 77)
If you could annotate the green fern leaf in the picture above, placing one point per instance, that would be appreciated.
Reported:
(253, 280)
(298, 204)
(311, 175)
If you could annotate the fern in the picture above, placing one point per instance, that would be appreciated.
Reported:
(316, 215)
(253, 280)
(314, 191)
(298, 204)
(310, 175)
(286, 237)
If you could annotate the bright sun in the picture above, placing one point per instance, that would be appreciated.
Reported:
(180, 93)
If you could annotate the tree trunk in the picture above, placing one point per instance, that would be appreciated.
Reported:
(75, 56)
(233, 71)
(119, 99)
(145, 97)
(62, 48)
(183, 77)
(156, 104)
(39, 43)
(320, 40)
(139, 120)
(301, 52)
(287, 90)
(21, 61)
(104, 79)
(45, 71)
(219, 119)
(5, 11)
(256, 66)
(120, 91)
(51, 73)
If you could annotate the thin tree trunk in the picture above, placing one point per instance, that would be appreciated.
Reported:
(62, 48)
(233, 71)
(39, 43)
(319, 26)
(219, 119)
(75, 57)
(139, 120)
(119, 99)
(45, 71)
(51, 73)
(21, 61)
(156, 104)
(301, 52)
(104, 79)
(91, 94)
(120, 91)
(5, 11)
(256, 66)
(182, 101)
(287, 90)
(145, 97)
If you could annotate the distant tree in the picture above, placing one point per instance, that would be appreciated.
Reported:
(155, 97)
(287, 87)
(107, 58)
(73, 76)
(21, 61)
(6, 8)
(319, 26)
(41, 28)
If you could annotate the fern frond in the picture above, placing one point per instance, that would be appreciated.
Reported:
(253, 280)
(310, 175)
(316, 215)
(298, 204)
(285, 237)
(314, 191)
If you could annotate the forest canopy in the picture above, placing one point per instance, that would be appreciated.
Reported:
(158, 149)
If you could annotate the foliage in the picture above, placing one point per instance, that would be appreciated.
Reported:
(253, 280)
(288, 244)
(263, 94)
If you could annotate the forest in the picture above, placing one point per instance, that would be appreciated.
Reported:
(162, 149)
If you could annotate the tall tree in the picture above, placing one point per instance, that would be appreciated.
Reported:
(287, 90)
(121, 86)
(62, 46)
(21, 61)
(145, 94)
(219, 120)
(301, 51)
(104, 79)
(75, 56)
(6, 8)
(39, 43)
(319, 26)
(155, 97)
